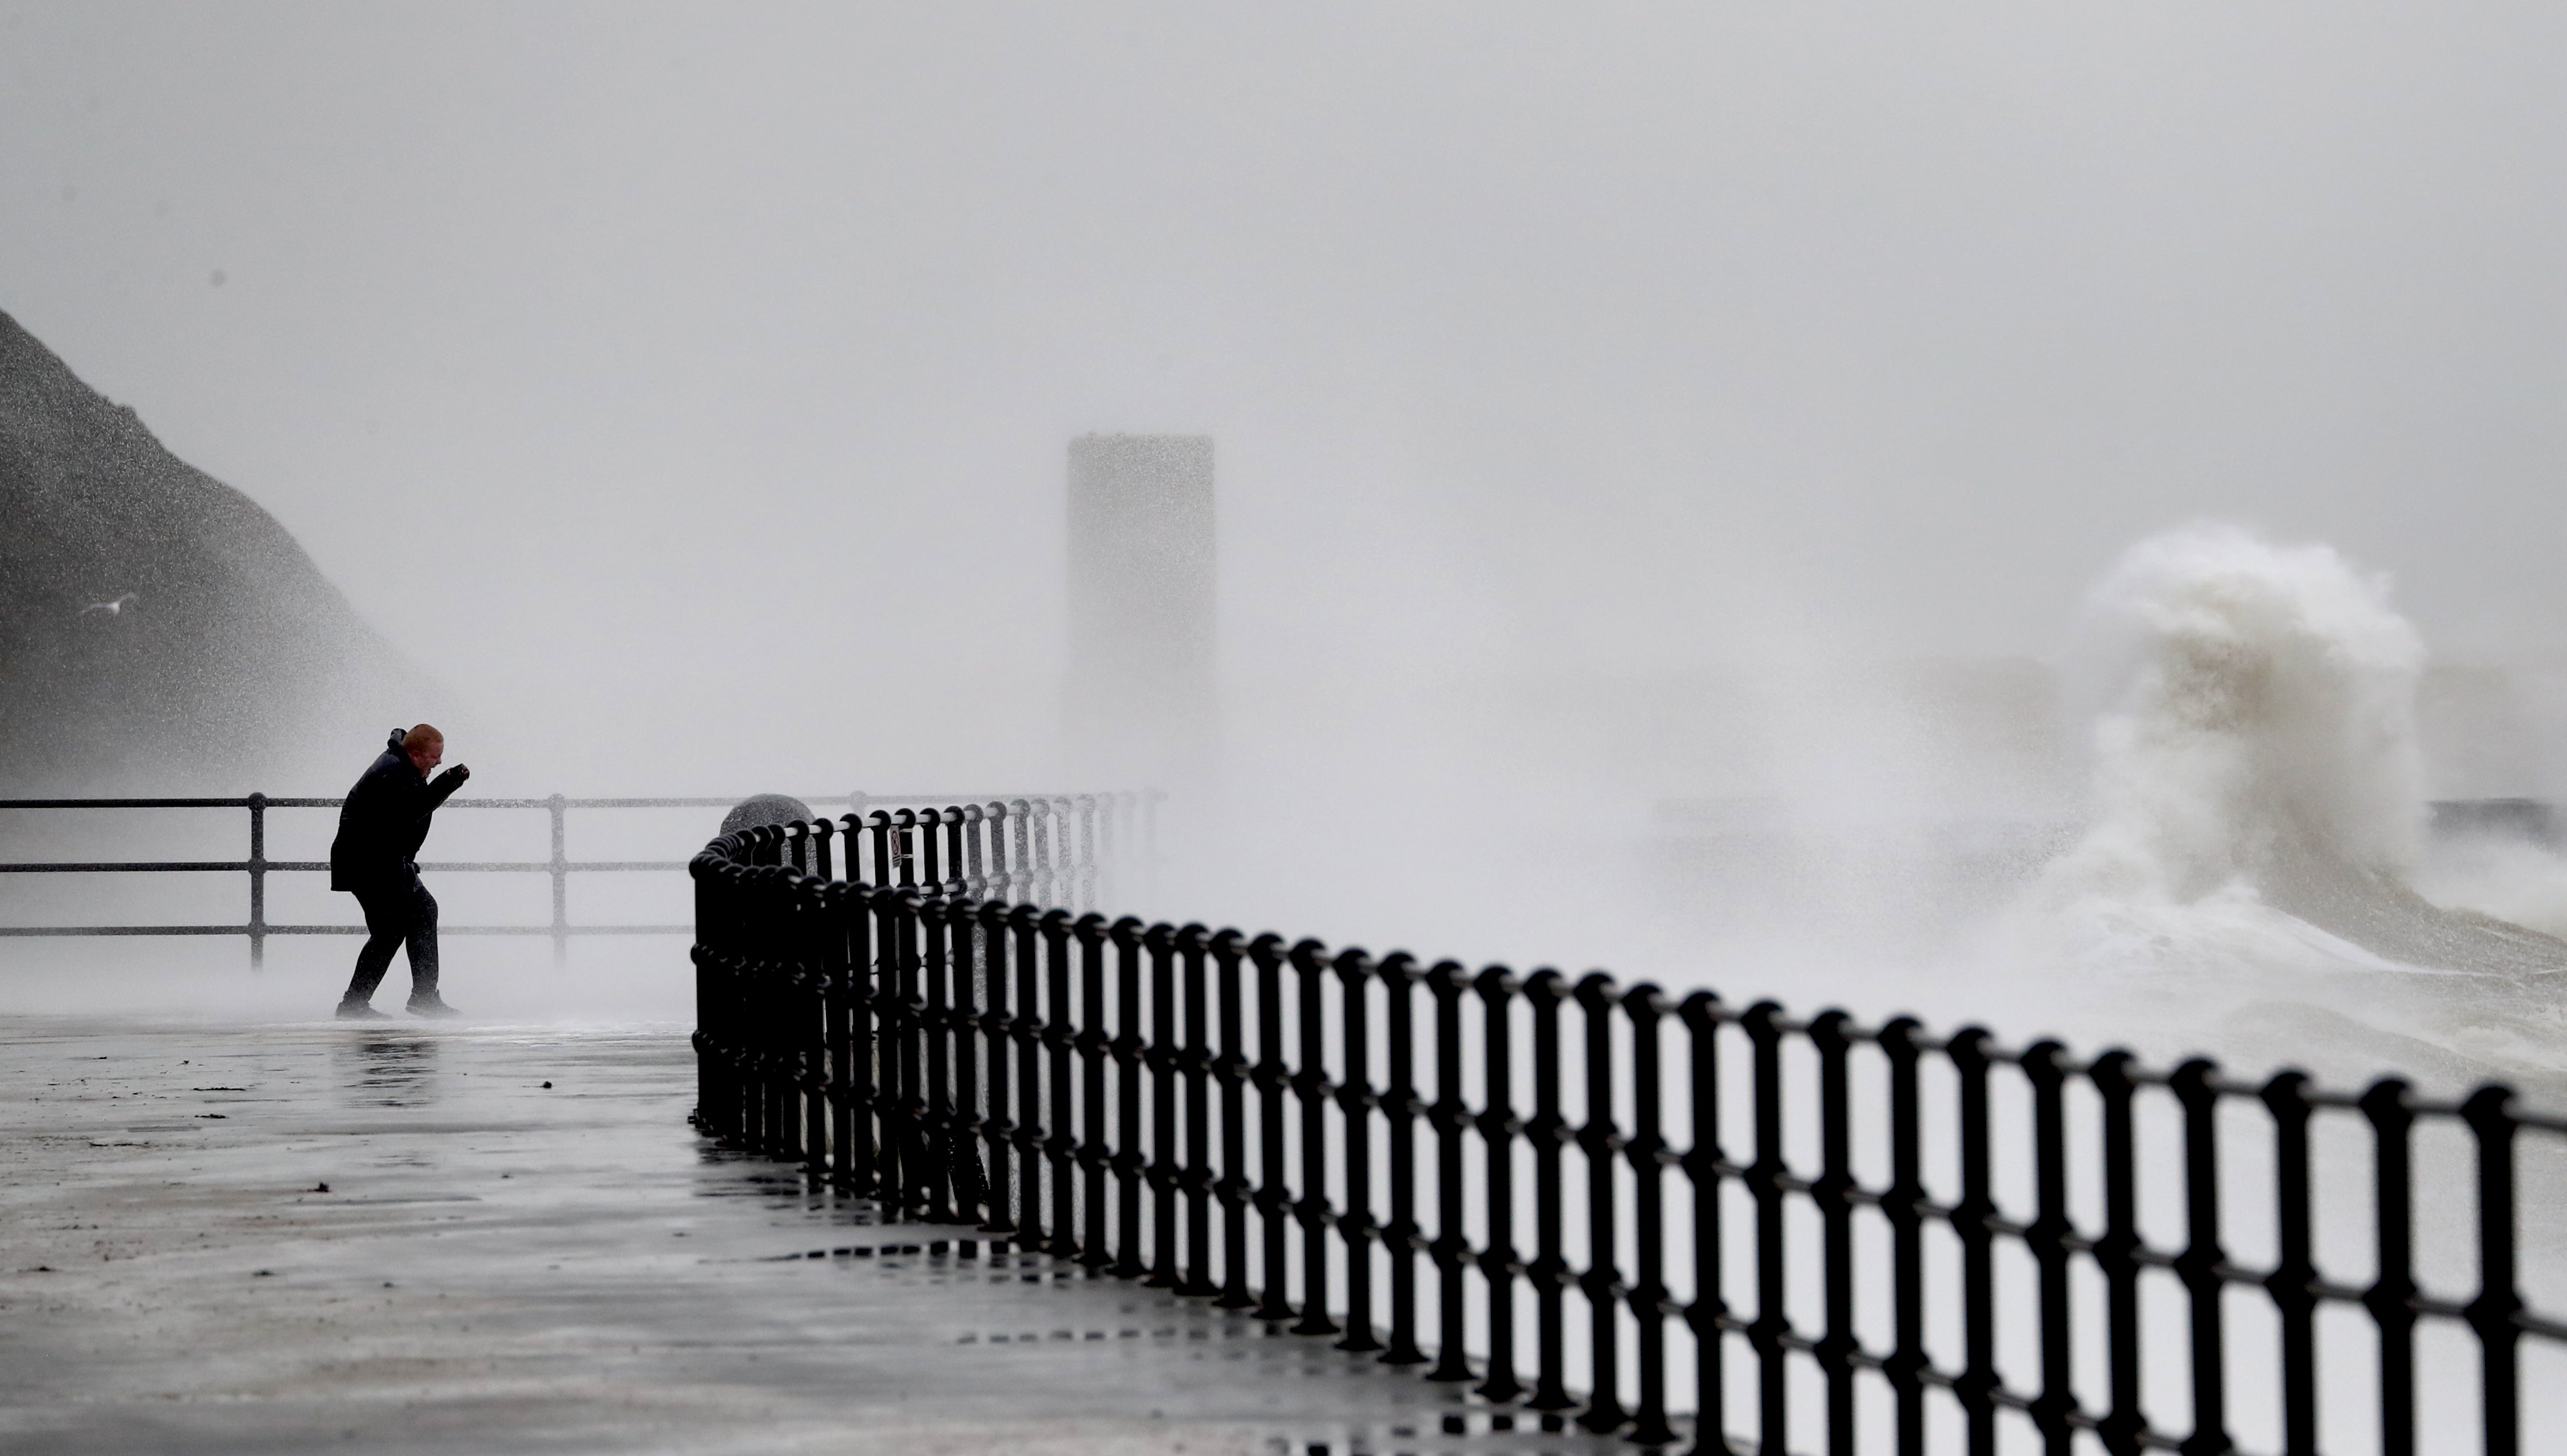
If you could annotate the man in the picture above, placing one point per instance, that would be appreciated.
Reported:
(381, 827)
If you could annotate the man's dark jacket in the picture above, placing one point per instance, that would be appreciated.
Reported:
(384, 821)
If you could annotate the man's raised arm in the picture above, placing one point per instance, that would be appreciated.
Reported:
(442, 788)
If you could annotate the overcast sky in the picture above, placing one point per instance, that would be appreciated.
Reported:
(618, 358)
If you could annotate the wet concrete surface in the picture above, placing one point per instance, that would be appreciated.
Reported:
(396, 1238)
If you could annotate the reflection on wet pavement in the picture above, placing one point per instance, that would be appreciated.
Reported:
(476, 1239)
(387, 1070)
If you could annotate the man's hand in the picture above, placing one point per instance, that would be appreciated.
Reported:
(458, 774)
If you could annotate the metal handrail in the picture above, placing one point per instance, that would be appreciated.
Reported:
(1148, 1100)
(257, 866)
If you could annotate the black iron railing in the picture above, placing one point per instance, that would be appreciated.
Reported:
(1678, 1218)
(1048, 848)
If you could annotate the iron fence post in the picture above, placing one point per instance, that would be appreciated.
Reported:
(2125, 1427)
(937, 1127)
(1544, 991)
(1310, 1082)
(1198, 1064)
(257, 880)
(1773, 1323)
(1499, 1129)
(1833, 1194)
(1600, 1142)
(1033, 1036)
(2046, 1239)
(1130, 1163)
(561, 880)
(999, 1019)
(1061, 1041)
(1451, 1120)
(2198, 1265)
(2293, 1283)
(2392, 1296)
(1233, 1069)
(2493, 1313)
(1162, 1057)
(1356, 1103)
(1973, 1219)
(1643, 1006)
(1097, 1138)
(1904, 1207)
(1399, 977)
(1273, 1197)
(1705, 1165)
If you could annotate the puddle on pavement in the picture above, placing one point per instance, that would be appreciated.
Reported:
(386, 1070)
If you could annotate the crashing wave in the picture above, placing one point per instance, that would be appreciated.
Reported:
(2260, 793)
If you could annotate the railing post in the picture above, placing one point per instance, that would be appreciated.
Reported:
(2048, 1240)
(1451, 1118)
(561, 882)
(1020, 880)
(1198, 1064)
(1096, 1139)
(1001, 885)
(1643, 1006)
(1232, 1068)
(936, 1120)
(964, 1018)
(2392, 1296)
(1705, 1165)
(1548, 1272)
(1000, 1020)
(1401, 1107)
(814, 972)
(1084, 810)
(2293, 1283)
(1163, 1056)
(1601, 1141)
(1833, 1194)
(1061, 1041)
(1903, 1205)
(1773, 1324)
(1272, 1196)
(1310, 1081)
(1972, 1220)
(1128, 1047)
(1499, 1129)
(2199, 1265)
(1356, 1103)
(257, 880)
(2125, 1427)
(1032, 1034)
(2493, 1313)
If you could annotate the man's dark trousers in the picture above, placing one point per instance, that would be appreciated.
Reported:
(396, 912)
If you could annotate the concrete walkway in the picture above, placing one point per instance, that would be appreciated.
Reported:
(400, 1239)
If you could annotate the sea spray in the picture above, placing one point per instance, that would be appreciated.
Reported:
(2259, 820)
(2266, 718)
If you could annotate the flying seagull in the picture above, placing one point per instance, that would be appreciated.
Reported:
(113, 609)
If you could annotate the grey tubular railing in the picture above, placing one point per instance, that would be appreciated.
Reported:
(1022, 846)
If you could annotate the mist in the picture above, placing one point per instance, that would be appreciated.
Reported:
(1663, 454)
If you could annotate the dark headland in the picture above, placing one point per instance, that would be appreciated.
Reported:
(160, 633)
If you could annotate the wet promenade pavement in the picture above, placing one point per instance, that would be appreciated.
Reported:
(398, 1239)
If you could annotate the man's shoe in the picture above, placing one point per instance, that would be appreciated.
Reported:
(357, 1010)
(431, 1005)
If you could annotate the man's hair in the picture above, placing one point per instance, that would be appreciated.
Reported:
(421, 735)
